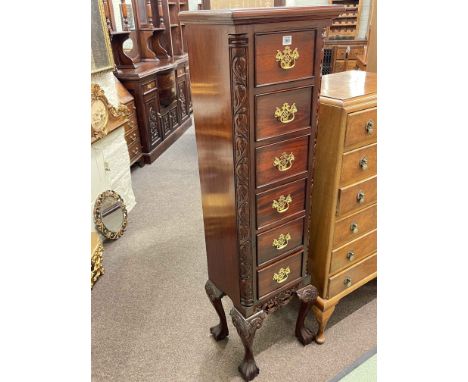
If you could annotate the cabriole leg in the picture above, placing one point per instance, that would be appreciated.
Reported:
(307, 295)
(221, 330)
(322, 317)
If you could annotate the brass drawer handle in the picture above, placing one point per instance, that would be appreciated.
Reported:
(287, 113)
(282, 204)
(350, 255)
(347, 282)
(363, 163)
(287, 58)
(370, 127)
(284, 162)
(361, 197)
(354, 228)
(282, 275)
(282, 241)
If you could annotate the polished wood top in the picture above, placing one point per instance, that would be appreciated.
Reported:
(349, 84)
(260, 15)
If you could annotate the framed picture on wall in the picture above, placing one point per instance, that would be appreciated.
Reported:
(101, 53)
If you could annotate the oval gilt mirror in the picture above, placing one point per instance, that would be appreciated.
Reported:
(110, 214)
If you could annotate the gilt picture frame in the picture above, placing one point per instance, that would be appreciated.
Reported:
(101, 51)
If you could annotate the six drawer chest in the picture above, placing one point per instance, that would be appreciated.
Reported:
(343, 229)
(255, 77)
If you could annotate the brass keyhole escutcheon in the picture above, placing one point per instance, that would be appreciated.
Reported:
(350, 256)
(284, 162)
(286, 113)
(282, 204)
(361, 197)
(370, 127)
(347, 282)
(287, 58)
(354, 228)
(282, 275)
(282, 241)
(363, 163)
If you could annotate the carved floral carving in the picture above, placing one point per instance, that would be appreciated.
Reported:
(238, 50)
(278, 301)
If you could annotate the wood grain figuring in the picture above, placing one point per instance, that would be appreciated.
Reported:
(266, 214)
(356, 196)
(355, 273)
(266, 251)
(366, 220)
(268, 70)
(267, 173)
(266, 282)
(356, 132)
(347, 85)
(360, 248)
(353, 170)
(267, 126)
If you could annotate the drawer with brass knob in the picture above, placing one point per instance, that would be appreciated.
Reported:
(357, 195)
(355, 225)
(361, 128)
(277, 241)
(352, 275)
(284, 56)
(282, 160)
(353, 251)
(280, 203)
(280, 273)
(359, 164)
(282, 112)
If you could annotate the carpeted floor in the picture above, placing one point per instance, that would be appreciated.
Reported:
(150, 313)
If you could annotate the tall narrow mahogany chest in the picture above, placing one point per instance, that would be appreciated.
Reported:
(343, 230)
(255, 76)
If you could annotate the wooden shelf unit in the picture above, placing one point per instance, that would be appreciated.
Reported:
(345, 31)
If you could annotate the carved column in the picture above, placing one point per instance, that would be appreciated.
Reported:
(238, 53)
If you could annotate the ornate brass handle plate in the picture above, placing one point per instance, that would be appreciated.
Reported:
(284, 162)
(347, 282)
(286, 113)
(370, 127)
(361, 197)
(363, 163)
(282, 241)
(350, 255)
(354, 228)
(282, 275)
(282, 204)
(287, 58)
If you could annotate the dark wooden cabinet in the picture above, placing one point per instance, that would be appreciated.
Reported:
(255, 89)
(149, 50)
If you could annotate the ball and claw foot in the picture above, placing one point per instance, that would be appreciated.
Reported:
(219, 332)
(307, 295)
(248, 369)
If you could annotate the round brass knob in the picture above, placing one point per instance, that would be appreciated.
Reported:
(370, 127)
(360, 197)
(363, 163)
(350, 255)
(354, 228)
(347, 282)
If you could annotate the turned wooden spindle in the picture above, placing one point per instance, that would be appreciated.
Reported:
(160, 13)
(149, 12)
(123, 5)
(105, 3)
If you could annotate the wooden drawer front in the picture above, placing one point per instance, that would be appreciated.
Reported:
(361, 128)
(282, 112)
(269, 71)
(351, 64)
(267, 214)
(339, 66)
(359, 164)
(352, 275)
(355, 225)
(131, 124)
(132, 136)
(280, 240)
(340, 53)
(281, 160)
(353, 252)
(134, 150)
(355, 196)
(279, 274)
(356, 51)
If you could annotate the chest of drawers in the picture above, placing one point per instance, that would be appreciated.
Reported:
(343, 226)
(255, 76)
